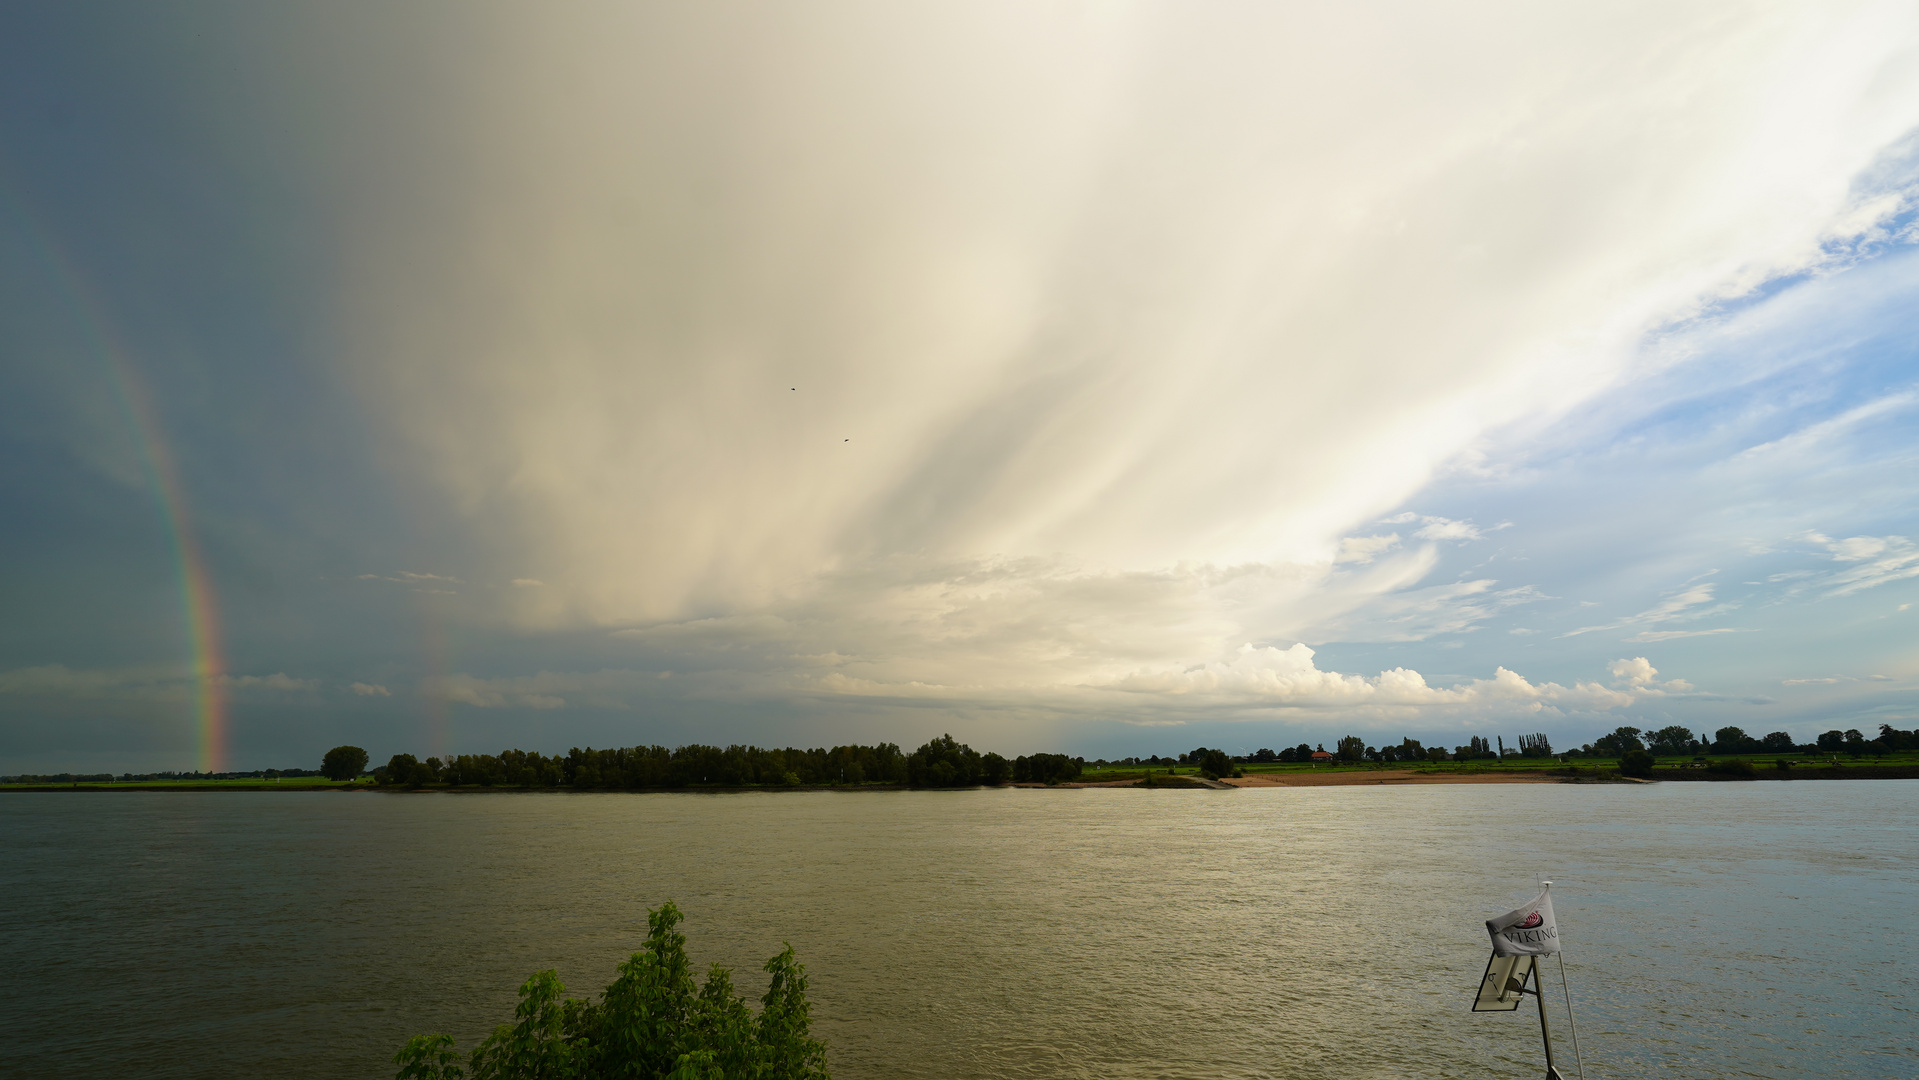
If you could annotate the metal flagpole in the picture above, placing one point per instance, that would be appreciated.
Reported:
(1545, 1036)
(1577, 1060)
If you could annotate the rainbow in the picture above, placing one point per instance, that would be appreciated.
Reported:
(199, 605)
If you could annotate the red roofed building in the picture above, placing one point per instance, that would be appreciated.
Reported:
(1321, 755)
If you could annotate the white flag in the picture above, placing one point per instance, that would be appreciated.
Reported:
(1527, 930)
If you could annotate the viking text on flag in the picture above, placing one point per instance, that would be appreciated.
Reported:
(1527, 930)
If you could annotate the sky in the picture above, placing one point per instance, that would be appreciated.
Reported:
(1111, 378)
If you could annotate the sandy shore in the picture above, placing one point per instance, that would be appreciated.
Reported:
(1372, 776)
(1390, 776)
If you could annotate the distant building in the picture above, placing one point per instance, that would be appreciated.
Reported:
(1321, 755)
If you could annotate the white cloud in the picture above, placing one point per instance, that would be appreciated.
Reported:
(1686, 603)
(1034, 630)
(1437, 528)
(1866, 562)
(143, 683)
(420, 583)
(1416, 614)
(1274, 677)
(1833, 679)
(1670, 635)
(494, 693)
(1642, 678)
(1112, 329)
(1132, 288)
(611, 688)
(276, 681)
(1861, 548)
(1799, 442)
(1364, 549)
(1878, 560)
(1637, 671)
(163, 684)
(983, 353)
(836, 682)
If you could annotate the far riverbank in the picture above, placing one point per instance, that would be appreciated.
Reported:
(1332, 777)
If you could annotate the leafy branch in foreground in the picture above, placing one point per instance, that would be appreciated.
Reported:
(650, 1024)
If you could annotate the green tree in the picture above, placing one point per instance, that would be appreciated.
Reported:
(1670, 741)
(788, 1050)
(1475, 749)
(1045, 769)
(1214, 764)
(537, 1046)
(994, 769)
(343, 763)
(1733, 740)
(406, 769)
(942, 762)
(1351, 748)
(429, 1057)
(1621, 742)
(651, 1023)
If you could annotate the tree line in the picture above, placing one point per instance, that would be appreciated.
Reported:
(941, 762)
(1352, 750)
(945, 762)
(1676, 741)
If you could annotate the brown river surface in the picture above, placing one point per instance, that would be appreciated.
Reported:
(1712, 930)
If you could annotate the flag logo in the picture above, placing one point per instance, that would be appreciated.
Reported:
(1529, 930)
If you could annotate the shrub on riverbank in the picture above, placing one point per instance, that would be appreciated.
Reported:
(650, 1024)
(1166, 780)
(1636, 763)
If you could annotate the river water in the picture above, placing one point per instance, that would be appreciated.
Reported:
(1712, 930)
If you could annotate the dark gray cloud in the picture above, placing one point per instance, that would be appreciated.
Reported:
(633, 373)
